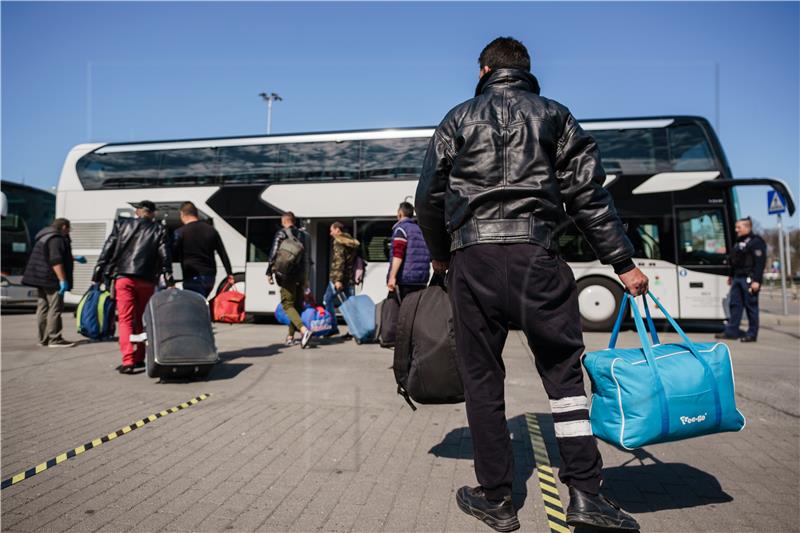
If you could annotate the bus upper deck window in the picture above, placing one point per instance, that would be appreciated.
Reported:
(689, 149)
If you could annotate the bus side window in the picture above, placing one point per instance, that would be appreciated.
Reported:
(260, 233)
(701, 237)
(650, 237)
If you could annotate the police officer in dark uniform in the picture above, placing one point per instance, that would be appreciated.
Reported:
(747, 262)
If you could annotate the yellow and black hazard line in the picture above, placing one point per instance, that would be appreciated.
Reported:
(556, 518)
(29, 473)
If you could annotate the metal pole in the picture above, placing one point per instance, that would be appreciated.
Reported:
(783, 266)
(788, 249)
(269, 116)
(716, 96)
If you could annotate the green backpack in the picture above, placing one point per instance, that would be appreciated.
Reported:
(289, 256)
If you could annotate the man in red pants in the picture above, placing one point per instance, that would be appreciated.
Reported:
(134, 256)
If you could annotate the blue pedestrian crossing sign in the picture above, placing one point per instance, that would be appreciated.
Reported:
(776, 204)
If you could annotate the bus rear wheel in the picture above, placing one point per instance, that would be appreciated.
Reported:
(599, 300)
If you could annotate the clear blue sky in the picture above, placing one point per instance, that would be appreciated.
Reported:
(78, 72)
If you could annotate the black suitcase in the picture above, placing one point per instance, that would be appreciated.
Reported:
(180, 341)
(425, 366)
(386, 320)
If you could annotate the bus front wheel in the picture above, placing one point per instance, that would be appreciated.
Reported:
(599, 300)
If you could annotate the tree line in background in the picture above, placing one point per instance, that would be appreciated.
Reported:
(771, 237)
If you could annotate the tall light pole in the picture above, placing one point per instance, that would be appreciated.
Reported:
(269, 98)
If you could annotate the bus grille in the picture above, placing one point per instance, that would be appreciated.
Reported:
(82, 275)
(88, 235)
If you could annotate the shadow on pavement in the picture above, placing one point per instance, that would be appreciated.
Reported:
(651, 485)
(658, 486)
(457, 444)
(256, 351)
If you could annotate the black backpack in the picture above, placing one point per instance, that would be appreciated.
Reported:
(425, 365)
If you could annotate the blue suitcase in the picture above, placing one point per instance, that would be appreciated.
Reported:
(359, 313)
(660, 392)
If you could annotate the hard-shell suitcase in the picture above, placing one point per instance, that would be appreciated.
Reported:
(359, 313)
(180, 341)
(660, 392)
(425, 366)
(96, 314)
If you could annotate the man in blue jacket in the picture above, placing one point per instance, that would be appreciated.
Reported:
(410, 265)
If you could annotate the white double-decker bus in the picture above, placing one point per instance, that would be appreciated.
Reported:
(668, 175)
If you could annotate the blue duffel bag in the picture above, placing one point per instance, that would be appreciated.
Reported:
(318, 320)
(660, 392)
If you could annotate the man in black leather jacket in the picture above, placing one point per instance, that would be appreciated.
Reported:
(134, 256)
(502, 171)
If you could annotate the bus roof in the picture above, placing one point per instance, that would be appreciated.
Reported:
(354, 135)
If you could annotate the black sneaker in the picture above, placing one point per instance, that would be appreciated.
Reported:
(125, 369)
(500, 516)
(748, 338)
(60, 343)
(724, 335)
(597, 511)
(139, 364)
(306, 339)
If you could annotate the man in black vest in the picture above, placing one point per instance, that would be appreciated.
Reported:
(49, 269)
(500, 171)
(747, 260)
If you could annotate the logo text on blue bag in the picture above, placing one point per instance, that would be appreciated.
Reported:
(691, 420)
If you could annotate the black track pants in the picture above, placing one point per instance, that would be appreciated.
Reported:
(491, 286)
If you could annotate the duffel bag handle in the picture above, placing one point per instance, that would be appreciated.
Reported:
(612, 342)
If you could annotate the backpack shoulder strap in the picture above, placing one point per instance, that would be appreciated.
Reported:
(402, 346)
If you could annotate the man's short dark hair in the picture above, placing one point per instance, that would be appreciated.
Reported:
(406, 209)
(505, 52)
(189, 209)
(61, 223)
(338, 225)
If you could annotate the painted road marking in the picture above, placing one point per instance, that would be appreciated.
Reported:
(556, 518)
(29, 473)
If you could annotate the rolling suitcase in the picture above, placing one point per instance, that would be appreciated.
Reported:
(359, 313)
(180, 341)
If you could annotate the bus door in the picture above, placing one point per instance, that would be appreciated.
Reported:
(261, 296)
(375, 235)
(702, 260)
(653, 253)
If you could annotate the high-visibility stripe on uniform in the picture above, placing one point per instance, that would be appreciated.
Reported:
(574, 428)
(571, 403)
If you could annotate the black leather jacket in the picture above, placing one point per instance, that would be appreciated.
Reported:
(503, 166)
(138, 248)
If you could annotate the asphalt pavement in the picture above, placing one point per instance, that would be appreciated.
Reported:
(318, 440)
